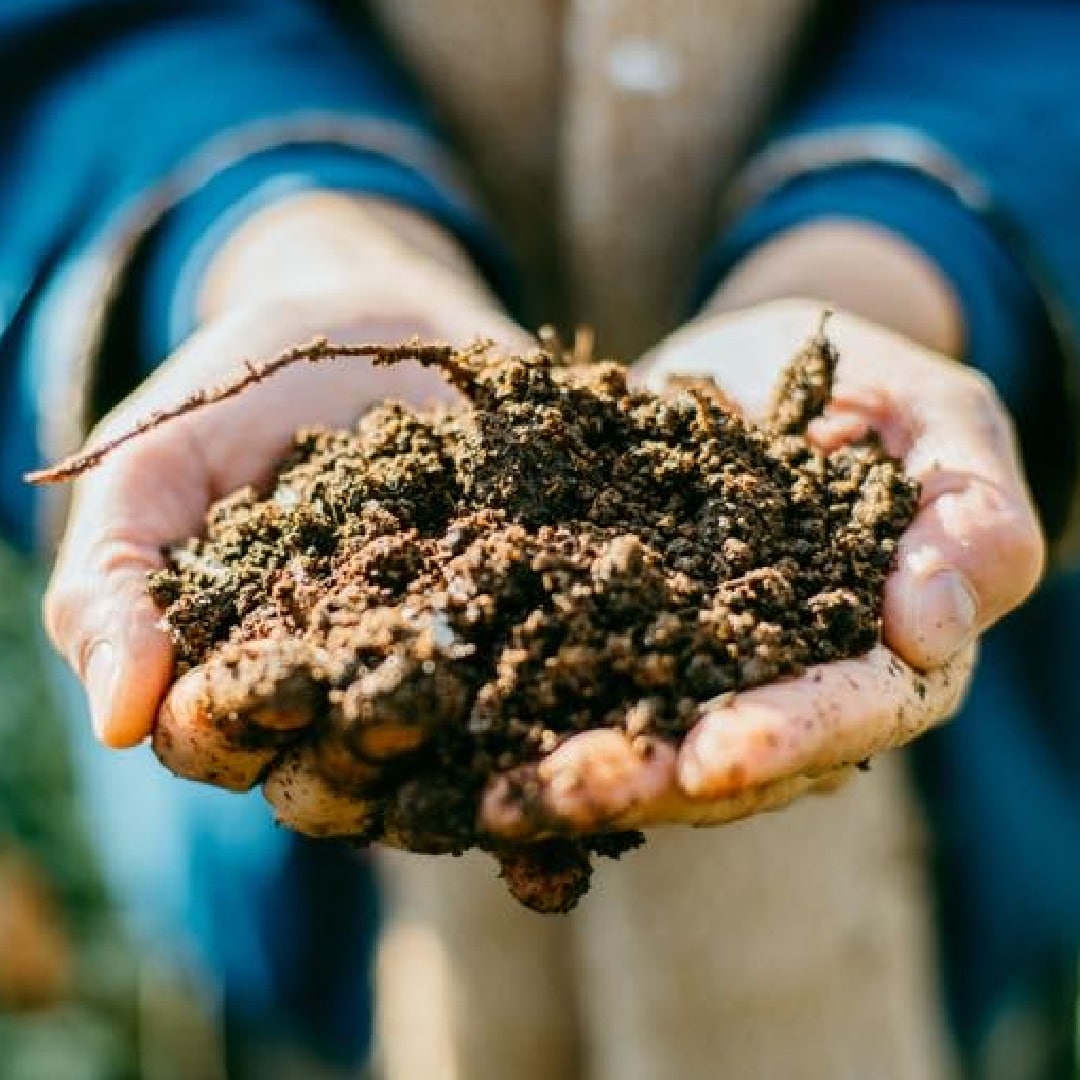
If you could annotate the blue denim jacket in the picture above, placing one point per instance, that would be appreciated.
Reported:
(133, 131)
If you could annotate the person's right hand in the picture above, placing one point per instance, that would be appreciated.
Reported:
(352, 270)
(973, 553)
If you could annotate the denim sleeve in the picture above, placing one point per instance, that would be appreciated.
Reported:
(129, 125)
(953, 124)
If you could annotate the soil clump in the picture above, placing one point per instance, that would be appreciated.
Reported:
(434, 597)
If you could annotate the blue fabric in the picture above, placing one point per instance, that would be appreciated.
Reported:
(1008, 335)
(1003, 780)
(1001, 309)
(994, 84)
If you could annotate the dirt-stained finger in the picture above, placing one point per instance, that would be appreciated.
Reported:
(303, 798)
(972, 554)
(618, 782)
(832, 716)
(191, 742)
(267, 683)
(225, 721)
(591, 781)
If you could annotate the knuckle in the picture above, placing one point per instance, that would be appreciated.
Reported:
(57, 610)
(980, 390)
(1022, 551)
(1030, 554)
(62, 608)
(118, 554)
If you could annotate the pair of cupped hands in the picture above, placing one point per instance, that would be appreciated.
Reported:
(357, 271)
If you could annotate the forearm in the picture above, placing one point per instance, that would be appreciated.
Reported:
(860, 268)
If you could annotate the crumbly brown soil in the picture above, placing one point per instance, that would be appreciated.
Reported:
(452, 593)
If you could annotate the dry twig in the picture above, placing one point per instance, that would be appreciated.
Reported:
(70, 468)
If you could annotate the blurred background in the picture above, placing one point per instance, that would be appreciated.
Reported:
(76, 1003)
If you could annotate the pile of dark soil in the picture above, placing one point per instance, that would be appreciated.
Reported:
(437, 596)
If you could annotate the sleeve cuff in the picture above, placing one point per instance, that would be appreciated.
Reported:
(1008, 333)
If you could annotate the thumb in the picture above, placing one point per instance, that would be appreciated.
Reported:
(114, 645)
(97, 610)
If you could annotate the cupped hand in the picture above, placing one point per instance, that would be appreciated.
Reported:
(973, 552)
(351, 280)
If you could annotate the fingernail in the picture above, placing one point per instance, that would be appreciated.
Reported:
(712, 779)
(692, 773)
(733, 748)
(101, 674)
(712, 766)
(945, 620)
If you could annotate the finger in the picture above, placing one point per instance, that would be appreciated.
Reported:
(114, 645)
(339, 763)
(601, 781)
(192, 742)
(975, 549)
(378, 723)
(675, 807)
(264, 684)
(832, 716)
(584, 785)
(306, 801)
(396, 707)
(972, 554)
(224, 721)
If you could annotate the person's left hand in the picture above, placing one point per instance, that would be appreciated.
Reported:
(973, 552)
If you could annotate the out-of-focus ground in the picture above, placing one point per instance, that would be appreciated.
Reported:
(67, 989)
(77, 1000)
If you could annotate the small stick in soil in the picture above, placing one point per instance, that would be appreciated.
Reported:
(70, 468)
(806, 385)
(580, 353)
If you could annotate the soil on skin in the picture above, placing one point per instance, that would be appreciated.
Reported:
(457, 592)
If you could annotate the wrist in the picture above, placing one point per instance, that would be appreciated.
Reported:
(860, 267)
(326, 243)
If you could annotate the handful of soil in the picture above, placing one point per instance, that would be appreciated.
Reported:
(437, 596)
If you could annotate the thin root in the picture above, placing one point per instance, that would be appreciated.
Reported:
(314, 352)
